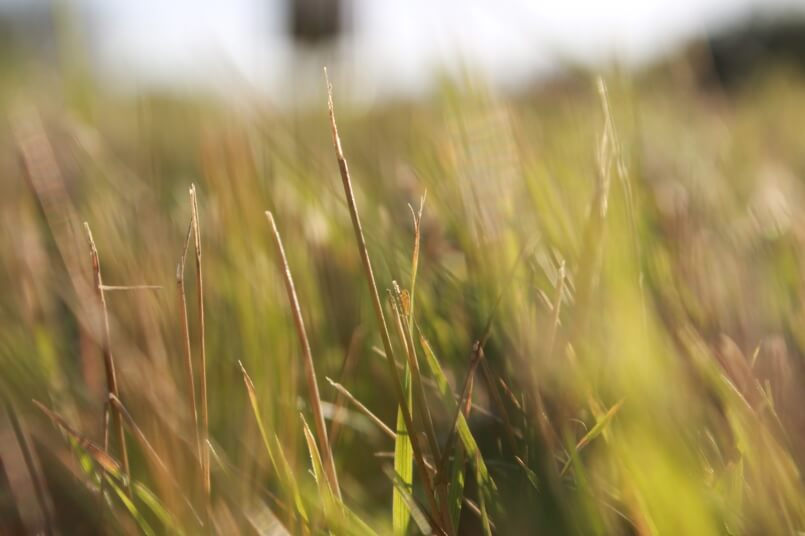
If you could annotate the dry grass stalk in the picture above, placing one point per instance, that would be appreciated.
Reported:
(108, 360)
(205, 423)
(188, 355)
(132, 287)
(310, 370)
(101, 456)
(151, 452)
(363, 409)
(377, 304)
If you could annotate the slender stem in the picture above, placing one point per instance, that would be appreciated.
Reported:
(188, 355)
(378, 306)
(105, 460)
(205, 423)
(363, 409)
(310, 370)
(476, 357)
(420, 402)
(132, 287)
(151, 451)
(108, 360)
(404, 332)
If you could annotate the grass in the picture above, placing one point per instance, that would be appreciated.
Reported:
(593, 326)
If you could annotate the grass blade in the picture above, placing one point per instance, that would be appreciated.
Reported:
(310, 369)
(377, 304)
(403, 466)
(594, 432)
(404, 491)
(205, 421)
(462, 428)
(329, 501)
(106, 348)
(96, 452)
(275, 453)
(155, 458)
(188, 355)
(131, 507)
(366, 411)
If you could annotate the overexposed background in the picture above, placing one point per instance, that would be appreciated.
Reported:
(392, 47)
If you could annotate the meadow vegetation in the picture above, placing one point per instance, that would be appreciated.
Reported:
(577, 310)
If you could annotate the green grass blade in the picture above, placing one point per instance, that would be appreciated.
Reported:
(275, 453)
(482, 497)
(403, 467)
(131, 507)
(419, 517)
(155, 505)
(330, 504)
(455, 490)
(594, 432)
(463, 429)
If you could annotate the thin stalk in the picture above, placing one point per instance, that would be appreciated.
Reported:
(101, 456)
(188, 355)
(132, 287)
(152, 453)
(205, 421)
(363, 409)
(417, 216)
(377, 304)
(477, 356)
(310, 370)
(108, 360)
(404, 332)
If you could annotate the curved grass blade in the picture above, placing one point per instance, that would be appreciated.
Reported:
(274, 449)
(485, 481)
(131, 507)
(594, 432)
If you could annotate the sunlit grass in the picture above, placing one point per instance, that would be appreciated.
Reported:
(591, 326)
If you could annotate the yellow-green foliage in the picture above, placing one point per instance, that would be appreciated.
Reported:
(663, 397)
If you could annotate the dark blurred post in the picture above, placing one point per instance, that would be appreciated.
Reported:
(316, 22)
(318, 31)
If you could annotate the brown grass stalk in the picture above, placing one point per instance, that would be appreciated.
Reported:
(363, 409)
(205, 423)
(151, 452)
(377, 304)
(108, 359)
(188, 355)
(101, 456)
(310, 369)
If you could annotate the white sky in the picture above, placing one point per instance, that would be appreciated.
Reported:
(395, 44)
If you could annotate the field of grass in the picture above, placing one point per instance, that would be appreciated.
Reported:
(574, 311)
